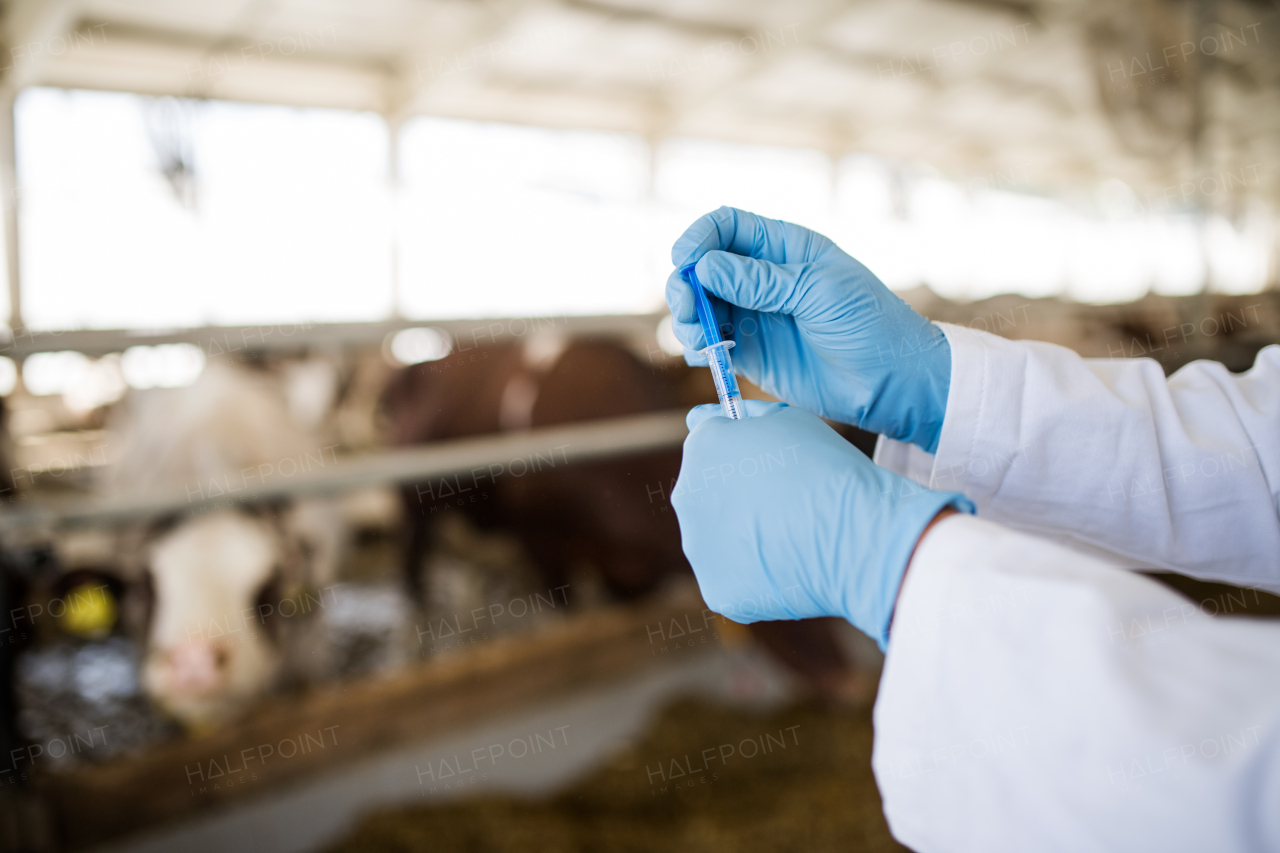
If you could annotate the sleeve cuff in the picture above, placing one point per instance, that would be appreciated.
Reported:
(974, 449)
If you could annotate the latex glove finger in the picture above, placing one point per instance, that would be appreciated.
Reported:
(699, 415)
(738, 280)
(684, 319)
(844, 299)
(693, 358)
(729, 229)
(750, 283)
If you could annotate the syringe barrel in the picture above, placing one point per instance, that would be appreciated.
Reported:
(717, 351)
(726, 383)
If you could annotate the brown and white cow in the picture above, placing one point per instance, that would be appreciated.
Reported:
(612, 514)
(217, 574)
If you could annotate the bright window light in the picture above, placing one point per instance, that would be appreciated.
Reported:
(695, 176)
(46, 373)
(783, 183)
(163, 366)
(100, 385)
(1237, 258)
(968, 241)
(1178, 267)
(667, 339)
(871, 220)
(84, 383)
(497, 220)
(138, 212)
(8, 375)
(413, 346)
(153, 213)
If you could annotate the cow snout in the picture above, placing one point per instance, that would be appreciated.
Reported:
(203, 682)
(198, 667)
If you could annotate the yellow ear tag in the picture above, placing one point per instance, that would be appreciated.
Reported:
(90, 613)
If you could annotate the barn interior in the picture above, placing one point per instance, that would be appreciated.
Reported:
(342, 411)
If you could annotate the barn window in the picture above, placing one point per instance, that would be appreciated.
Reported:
(500, 220)
(144, 212)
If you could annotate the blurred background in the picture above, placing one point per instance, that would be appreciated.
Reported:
(341, 411)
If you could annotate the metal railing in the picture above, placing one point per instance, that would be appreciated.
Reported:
(539, 448)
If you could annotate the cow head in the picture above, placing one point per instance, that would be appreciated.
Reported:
(207, 654)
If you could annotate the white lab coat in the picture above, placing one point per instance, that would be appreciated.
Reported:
(1035, 695)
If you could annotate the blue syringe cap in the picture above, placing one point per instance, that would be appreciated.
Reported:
(706, 314)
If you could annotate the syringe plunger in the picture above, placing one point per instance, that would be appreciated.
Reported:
(726, 383)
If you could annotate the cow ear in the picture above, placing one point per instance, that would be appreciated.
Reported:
(267, 606)
(162, 524)
(274, 508)
(134, 543)
(133, 547)
(138, 607)
(292, 553)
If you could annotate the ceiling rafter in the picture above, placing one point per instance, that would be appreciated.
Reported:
(30, 28)
(406, 86)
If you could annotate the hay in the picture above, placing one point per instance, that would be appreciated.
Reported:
(815, 794)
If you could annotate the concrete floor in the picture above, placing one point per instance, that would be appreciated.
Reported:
(588, 726)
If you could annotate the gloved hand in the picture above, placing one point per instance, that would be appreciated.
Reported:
(813, 326)
(782, 518)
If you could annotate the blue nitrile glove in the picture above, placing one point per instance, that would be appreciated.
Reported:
(782, 518)
(813, 326)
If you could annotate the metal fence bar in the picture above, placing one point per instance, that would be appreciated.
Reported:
(216, 340)
(538, 448)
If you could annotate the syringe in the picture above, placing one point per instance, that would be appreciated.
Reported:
(717, 350)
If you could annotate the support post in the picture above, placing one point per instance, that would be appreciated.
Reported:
(9, 195)
(395, 187)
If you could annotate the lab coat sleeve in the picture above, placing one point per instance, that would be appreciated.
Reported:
(1109, 456)
(1034, 698)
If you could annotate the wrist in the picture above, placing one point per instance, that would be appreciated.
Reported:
(911, 404)
(907, 512)
(945, 512)
(936, 389)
